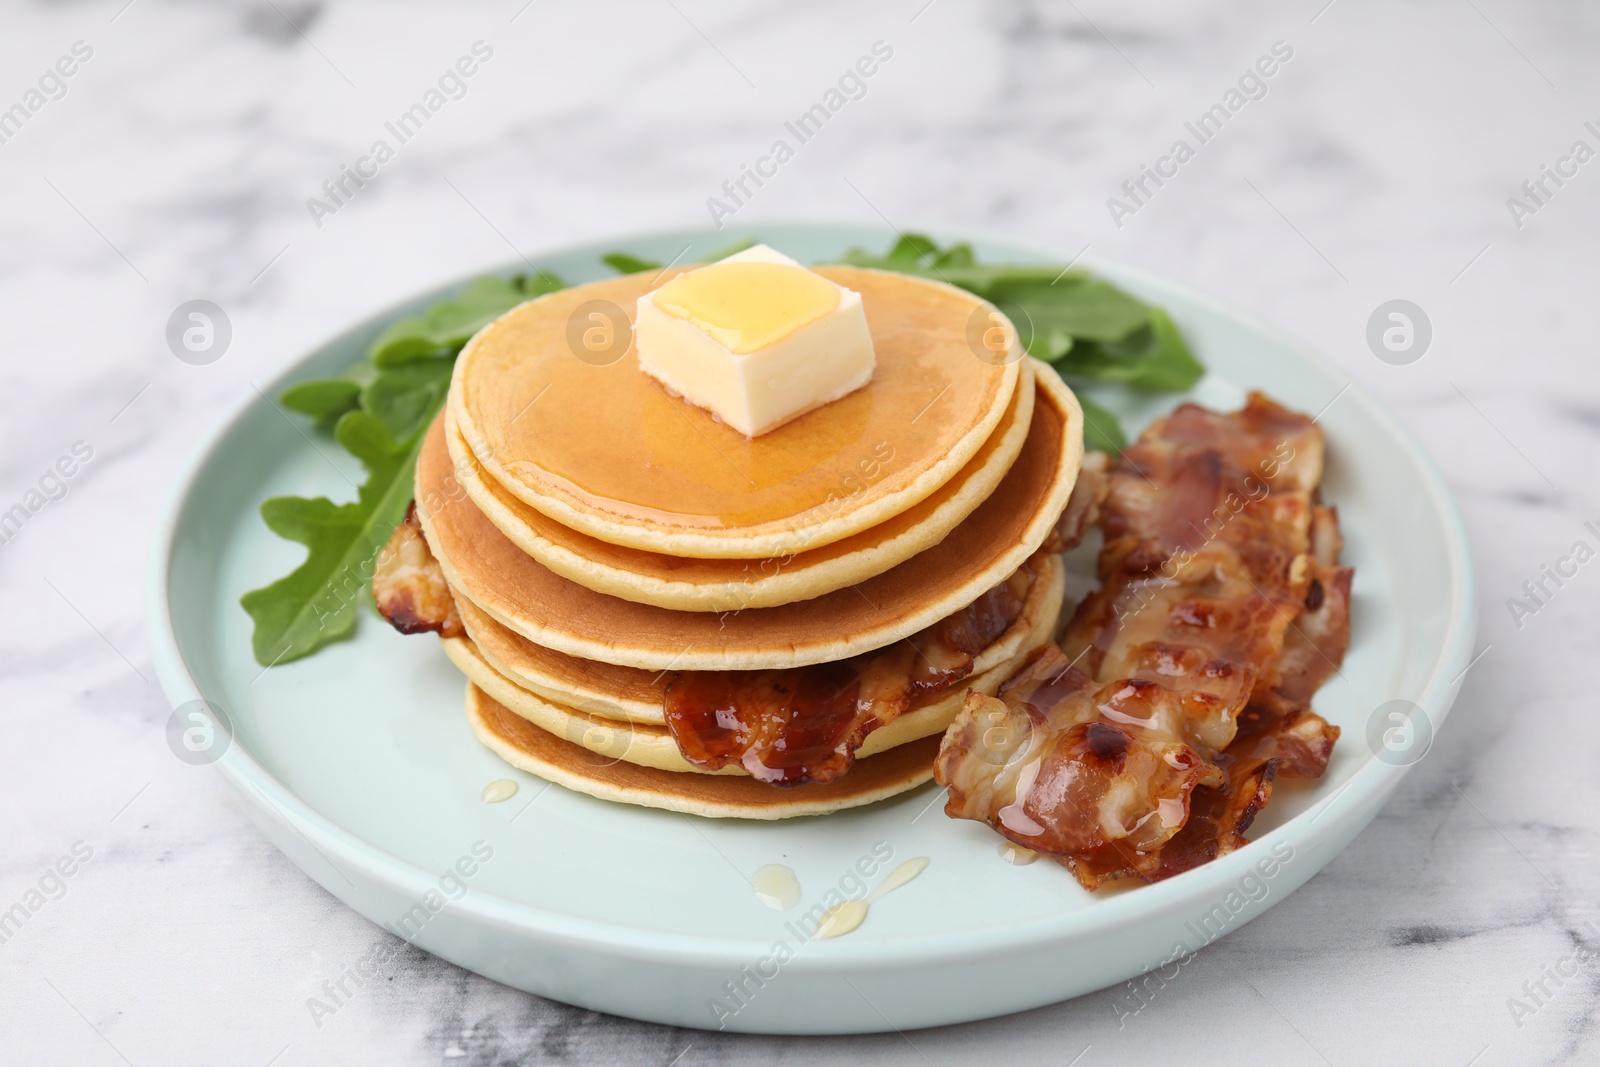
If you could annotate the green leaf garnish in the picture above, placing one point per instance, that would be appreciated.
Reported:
(629, 264)
(540, 284)
(1059, 305)
(1101, 431)
(328, 398)
(1153, 357)
(1076, 309)
(733, 249)
(406, 397)
(380, 411)
(912, 252)
(316, 603)
(919, 255)
(451, 323)
(1087, 328)
(323, 400)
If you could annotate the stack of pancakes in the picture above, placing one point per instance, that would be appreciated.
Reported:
(605, 541)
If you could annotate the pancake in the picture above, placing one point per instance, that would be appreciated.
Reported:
(605, 739)
(605, 450)
(607, 691)
(799, 573)
(714, 796)
(604, 690)
(482, 565)
(652, 745)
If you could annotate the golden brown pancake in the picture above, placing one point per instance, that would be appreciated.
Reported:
(483, 565)
(716, 796)
(605, 450)
(604, 690)
(731, 584)
(645, 744)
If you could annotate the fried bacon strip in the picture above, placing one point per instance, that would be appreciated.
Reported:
(803, 724)
(1083, 506)
(1148, 741)
(409, 586)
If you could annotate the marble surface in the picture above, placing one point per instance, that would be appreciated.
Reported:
(177, 162)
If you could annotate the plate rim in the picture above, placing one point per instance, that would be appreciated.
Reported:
(1368, 783)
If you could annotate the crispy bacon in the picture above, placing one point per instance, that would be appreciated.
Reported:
(1149, 740)
(409, 586)
(1315, 645)
(803, 724)
(1096, 775)
(1083, 506)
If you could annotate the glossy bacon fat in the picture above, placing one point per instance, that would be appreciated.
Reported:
(803, 724)
(1146, 742)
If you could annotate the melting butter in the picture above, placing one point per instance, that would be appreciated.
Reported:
(843, 918)
(776, 886)
(746, 305)
(499, 790)
(1016, 855)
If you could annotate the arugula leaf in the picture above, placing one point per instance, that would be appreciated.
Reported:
(538, 285)
(956, 257)
(1087, 328)
(733, 249)
(919, 255)
(1153, 357)
(406, 397)
(451, 323)
(380, 411)
(911, 252)
(324, 400)
(1082, 309)
(316, 603)
(628, 263)
(1059, 305)
(624, 263)
(1101, 430)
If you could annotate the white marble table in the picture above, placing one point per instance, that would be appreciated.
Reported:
(177, 162)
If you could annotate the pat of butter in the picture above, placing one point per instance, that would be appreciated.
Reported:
(757, 339)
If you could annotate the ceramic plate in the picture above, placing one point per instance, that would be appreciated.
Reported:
(357, 761)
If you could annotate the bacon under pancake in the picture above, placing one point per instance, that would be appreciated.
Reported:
(408, 584)
(1146, 744)
(1083, 506)
(803, 724)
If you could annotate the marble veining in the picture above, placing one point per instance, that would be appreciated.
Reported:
(178, 164)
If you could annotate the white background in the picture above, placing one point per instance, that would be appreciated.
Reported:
(1378, 166)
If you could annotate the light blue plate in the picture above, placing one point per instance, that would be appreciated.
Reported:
(357, 762)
